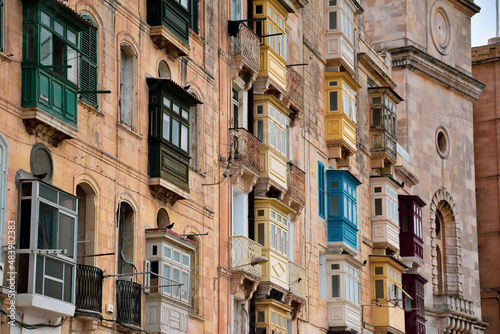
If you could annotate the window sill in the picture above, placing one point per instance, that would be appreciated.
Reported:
(90, 108)
(129, 131)
(197, 318)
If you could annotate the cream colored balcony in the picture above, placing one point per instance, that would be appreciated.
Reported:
(456, 314)
(271, 128)
(271, 230)
(245, 279)
(339, 37)
(245, 155)
(244, 49)
(385, 212)
(297, 280)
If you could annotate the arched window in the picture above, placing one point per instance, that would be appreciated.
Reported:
(88, 69)
(126, 86)
(162, 219)
(125, 217)
(86, 224)
(163, 70)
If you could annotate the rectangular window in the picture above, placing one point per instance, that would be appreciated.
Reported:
(332, 20)
(333, 101)
(379, 289)
(54, 221)
(378, 206)
(335, 286)
(334, 205)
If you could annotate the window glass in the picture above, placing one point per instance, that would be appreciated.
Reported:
(166, 127)
(378, 206)
(260, 130)
(175, 132)
(335, 286)
(184, 137)
(332, 20)
(333, 101)
(379, 289)
(334, 202)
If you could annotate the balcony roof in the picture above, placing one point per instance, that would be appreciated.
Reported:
(71, 12)
(395, 96)
(173, 86)
(414, 198)
(287, 6)
(152, 232)
(389, 177)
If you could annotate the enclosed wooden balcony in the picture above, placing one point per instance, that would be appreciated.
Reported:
(128, 303)
(88, 291)
(295, 195)
(411, 234)
(245, 158)
(383, 146)
(244, 49)
(170, 23)
(295, 93)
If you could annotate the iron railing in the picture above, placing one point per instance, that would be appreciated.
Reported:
(295, 87)
(243, 250)
(296, 183)
(128, 303)
(382, 141)
(297, 279)
(88, 290)
(245, 148)
(246, 44)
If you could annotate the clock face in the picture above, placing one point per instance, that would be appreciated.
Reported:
(440, 27)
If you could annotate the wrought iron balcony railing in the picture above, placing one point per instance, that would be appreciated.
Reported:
(245, 148)
(297, 279)
(382, 141)
(296, 184)
(243, 250)
(246, 44)
(88, 290)
(295, 88)
(128, 303)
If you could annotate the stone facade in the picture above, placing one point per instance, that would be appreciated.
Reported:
(166, 226)
(484, 68)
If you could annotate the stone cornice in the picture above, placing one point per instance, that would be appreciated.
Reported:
(374, 68)
(468, 6)
(443, 74)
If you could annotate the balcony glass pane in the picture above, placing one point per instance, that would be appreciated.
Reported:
(334, 205)
(53, 288)
(185, 286)
(72, 60)
(260, 234)
(333, 101)
(184, 137)
(47, 232)
(39, 274)
(67, 201)
(379, 289)
(68, 282)
(66, 233)
(378, 207)
(377, 117)
(175, 132)
(335, 286)
(332, 20)
(177, 278)
(166, 273)
(260, 130)
(273, 237)
(271, 133)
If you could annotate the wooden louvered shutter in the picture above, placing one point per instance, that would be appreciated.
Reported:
(88, 77)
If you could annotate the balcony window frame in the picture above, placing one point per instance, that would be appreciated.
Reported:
(388, 197)
(349, 281)
(46, 82)
(273, 120)
(29, 233)
(274, 23)
(345, 97)
(345, 17)
(388, 284)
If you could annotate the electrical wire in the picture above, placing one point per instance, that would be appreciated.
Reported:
(35, 326)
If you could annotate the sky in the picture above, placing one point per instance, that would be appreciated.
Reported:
(483, 23)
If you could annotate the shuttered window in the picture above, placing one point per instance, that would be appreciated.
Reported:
(88, 78)
(321, 189)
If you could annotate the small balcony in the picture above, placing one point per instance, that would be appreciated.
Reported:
(295, 88)
(383, 146)
(244, 49)
(243, 250)
(128, 303)
(245, 279)
(455, 312)
(245, 155)
(88, 291)
(295, 195)
(340, 135)
(169, 21)
(297, 280)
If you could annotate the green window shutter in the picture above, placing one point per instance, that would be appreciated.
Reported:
(88, 75)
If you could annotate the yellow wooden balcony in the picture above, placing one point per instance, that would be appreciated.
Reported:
(271, 316)
(387, 294)
(341, 112)
(274, 45)
(271, 230)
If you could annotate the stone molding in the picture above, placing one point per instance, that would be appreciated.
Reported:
(426, 65)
